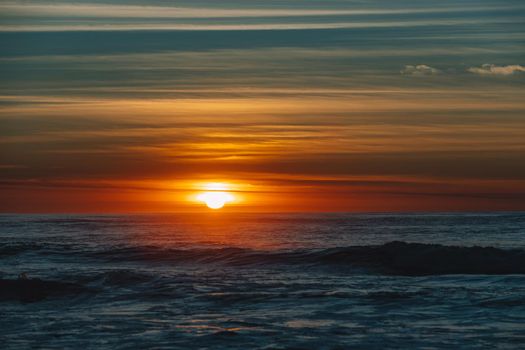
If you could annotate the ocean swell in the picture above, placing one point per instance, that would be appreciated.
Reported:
(396, 257)
(32, 290)
(430, 259)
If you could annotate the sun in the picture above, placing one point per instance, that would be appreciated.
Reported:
(215, 194)
(215, 200)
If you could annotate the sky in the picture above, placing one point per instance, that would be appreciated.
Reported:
(293, 105)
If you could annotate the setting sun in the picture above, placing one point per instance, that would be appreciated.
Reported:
(215, 200)
(215, 195)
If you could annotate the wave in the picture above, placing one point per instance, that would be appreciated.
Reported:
(8, 249)
(111, 278)
(431, 259)
(35, 289)
(396, 257)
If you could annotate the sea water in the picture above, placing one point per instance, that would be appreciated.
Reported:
(262, 281)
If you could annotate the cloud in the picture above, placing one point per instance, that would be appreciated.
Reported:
(419, 70)
(45, 15)
(43, 9)
(492, 69)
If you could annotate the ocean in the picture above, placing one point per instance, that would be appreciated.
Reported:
(262, 281)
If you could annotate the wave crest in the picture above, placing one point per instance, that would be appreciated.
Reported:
(391, 258)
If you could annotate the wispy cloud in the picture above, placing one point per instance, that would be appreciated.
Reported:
(103, 26)
(138, 11)
(420, 70)
(10, 166)
(492, 69)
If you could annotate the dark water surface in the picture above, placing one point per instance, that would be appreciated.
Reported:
(245, 281)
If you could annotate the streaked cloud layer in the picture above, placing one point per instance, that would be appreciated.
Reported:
(343, 105)
(246, 15)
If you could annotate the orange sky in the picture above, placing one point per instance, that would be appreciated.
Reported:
(365, 154)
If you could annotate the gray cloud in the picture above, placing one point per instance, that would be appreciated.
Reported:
(420, 70)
